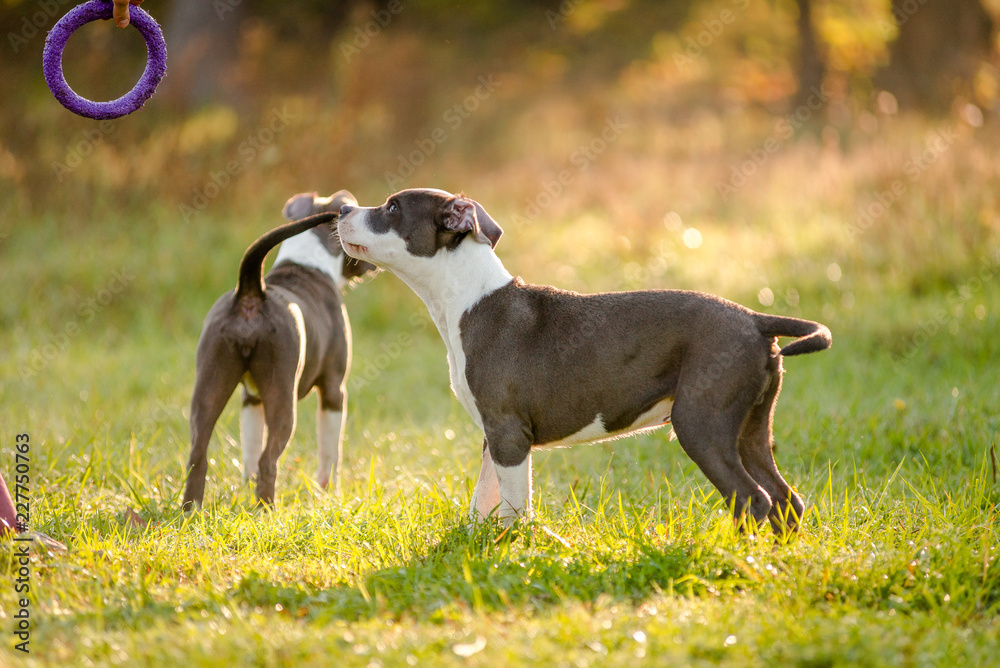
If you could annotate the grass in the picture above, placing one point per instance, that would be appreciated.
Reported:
(890, 436)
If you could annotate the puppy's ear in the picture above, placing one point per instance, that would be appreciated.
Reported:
(339, 199)
(299, 206)
(333, 203)
(466, 215)
(487, 226)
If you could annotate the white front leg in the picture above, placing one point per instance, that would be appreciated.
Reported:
(253, 431)
(486, 495)
(514, 483)
(329, 436)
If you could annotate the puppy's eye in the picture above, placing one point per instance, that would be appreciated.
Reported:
(393, 207)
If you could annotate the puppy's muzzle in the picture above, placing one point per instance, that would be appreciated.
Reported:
(354, 250)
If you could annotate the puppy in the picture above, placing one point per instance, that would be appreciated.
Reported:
(540, 367)
(280, 338)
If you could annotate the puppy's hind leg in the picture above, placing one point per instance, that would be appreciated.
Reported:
(331, 416)
(213, 386)
(253, 431)
(281, 366)
(279, 414)
(757, 454)
(709, 438)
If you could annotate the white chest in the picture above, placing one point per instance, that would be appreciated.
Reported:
(456, 373)
(451, 283)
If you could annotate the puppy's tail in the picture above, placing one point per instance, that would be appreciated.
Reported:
(810, 336)
(251, 280)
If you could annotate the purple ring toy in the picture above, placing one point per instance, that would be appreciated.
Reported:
(55, 43)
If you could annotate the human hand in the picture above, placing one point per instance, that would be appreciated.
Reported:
(121, 11)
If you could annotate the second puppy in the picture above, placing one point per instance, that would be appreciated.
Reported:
(280, 338)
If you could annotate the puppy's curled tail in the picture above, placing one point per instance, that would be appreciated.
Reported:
(251, 280)
(810, 336)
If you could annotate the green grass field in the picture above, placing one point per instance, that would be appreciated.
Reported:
(890, 436)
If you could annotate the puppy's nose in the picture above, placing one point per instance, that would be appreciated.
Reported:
(346, 209)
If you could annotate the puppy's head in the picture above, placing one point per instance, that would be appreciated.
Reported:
(307, 204)
(415, 223)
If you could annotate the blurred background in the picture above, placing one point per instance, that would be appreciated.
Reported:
(834, 159)
(712, 111)
(495, 98)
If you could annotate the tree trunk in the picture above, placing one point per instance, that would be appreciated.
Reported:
(811, 69)
(940, 46)
(202, 36)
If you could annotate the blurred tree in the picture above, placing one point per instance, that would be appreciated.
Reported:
(204, 39)
(811, 66)
(940, 45)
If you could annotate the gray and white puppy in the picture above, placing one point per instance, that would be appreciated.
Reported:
(280, 337)
(540, 367)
